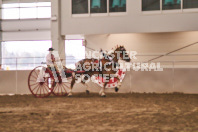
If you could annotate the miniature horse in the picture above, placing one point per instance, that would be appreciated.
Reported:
(108, 66)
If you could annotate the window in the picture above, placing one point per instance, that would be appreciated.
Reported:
(24, 55)
(24, 9)
(12, 13)
(98, 6)
(150, 5)
(117, 5)
(190, 4)
(171, 4)
(74, 51)
(44, 12)
(31, 13)
(79, 6)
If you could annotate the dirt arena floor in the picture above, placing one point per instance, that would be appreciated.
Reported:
(91, 113)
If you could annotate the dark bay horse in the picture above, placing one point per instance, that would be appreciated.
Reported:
(107, 66)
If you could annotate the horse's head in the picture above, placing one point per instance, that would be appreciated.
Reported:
(122, 53)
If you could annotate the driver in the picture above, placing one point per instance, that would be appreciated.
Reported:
(50, 61)
(53, 63)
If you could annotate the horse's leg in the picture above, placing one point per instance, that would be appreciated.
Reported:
(72, 84)
(102, 91)
(84, 79)
(87, 87)
(119, 85)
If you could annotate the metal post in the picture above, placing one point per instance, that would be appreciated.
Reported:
(1, 33)
(16, 75)
(173, 75)
(130, 81)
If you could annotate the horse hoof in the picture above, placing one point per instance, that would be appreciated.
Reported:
(69, 95)
(116, 89)
(103, 96)
(87, 91)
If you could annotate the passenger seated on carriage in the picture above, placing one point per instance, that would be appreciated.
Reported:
(50, 61)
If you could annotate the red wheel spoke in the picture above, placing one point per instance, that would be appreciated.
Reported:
(46, 88)
(36, 73)
(58, 88)
(66, 85)
(33, 80)
(43, 90)
(38, 89)
(62, 89)
(65, 89)
(34, 76)
(34, 84)
(46, 84)
(55, 87)
(35, 87)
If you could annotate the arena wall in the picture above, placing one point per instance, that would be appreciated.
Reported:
(180, 80)
(175, 78)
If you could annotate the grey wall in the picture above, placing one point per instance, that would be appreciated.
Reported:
(133, 21)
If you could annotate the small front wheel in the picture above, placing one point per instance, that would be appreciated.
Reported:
(62, 86)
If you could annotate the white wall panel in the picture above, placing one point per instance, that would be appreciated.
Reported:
(10, 25)
(8, 82)
(27, 35)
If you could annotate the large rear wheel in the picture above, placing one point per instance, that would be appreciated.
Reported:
(41, 82)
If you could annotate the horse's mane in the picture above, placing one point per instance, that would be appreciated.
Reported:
(117, 46)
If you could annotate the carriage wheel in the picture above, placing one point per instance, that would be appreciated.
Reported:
(62, 86)
(40, 82)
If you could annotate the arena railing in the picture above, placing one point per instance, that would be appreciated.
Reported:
(28, 63)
